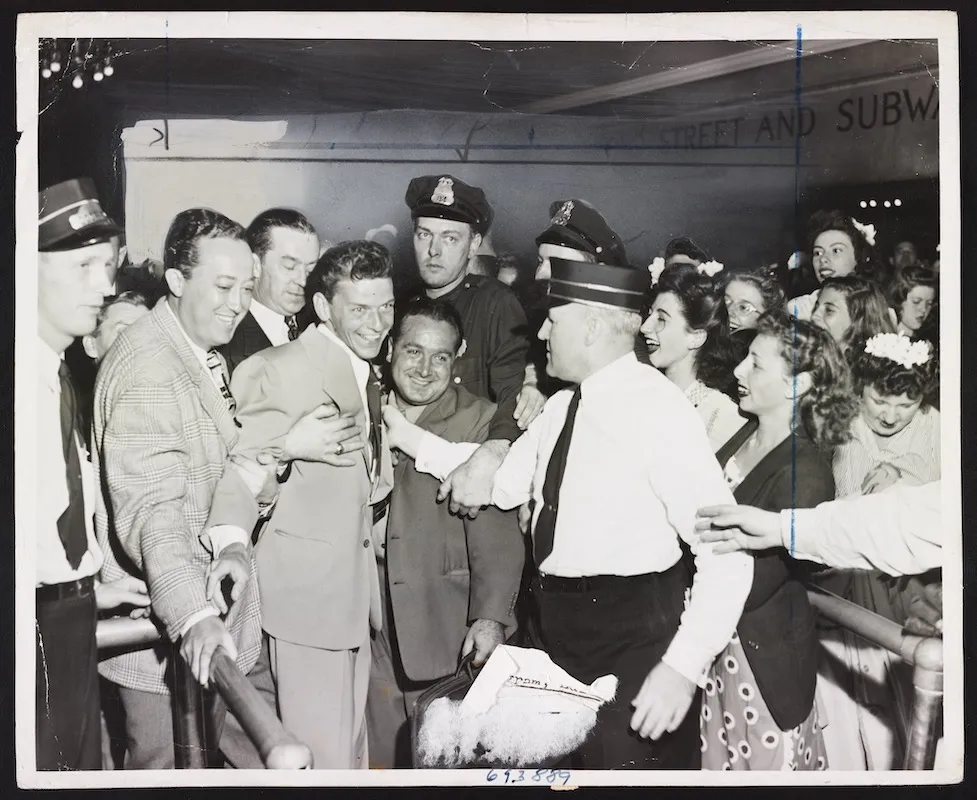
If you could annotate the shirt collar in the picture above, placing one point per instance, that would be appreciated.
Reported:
(358, 363)
(265, 315)
(608, 375)
(198, 351)
(48, 363)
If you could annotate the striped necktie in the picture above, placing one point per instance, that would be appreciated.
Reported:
(373, 407)
(217, 370)
(293, 328)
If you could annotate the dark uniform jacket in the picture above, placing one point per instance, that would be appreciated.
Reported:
(248, 339)
(493, 365)
(778, 625)
(445, 571)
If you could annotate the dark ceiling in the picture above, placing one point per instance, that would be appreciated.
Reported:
(259, 77)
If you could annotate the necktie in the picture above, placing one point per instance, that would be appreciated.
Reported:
(546, 523)
(373, 406)
(293, 328)
(217, 369)
(71, 523)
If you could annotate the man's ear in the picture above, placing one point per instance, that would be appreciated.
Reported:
(256, 271)
(175, 281)
(798, 384)
(91, 350)
(462, 348)
(321, 307)
(473, 247)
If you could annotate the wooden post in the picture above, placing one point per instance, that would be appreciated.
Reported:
(189, 737)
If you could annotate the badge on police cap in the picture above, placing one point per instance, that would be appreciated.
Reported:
(444, 192)
(562, 217)
(89, 213)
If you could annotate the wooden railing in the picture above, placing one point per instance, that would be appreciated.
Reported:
(924, 654)
(278, 748)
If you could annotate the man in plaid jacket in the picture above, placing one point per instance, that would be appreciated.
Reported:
(163, 428)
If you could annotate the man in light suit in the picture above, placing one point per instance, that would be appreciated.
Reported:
(316, 563)
(450, 582)
(287, 248)
(163, 429)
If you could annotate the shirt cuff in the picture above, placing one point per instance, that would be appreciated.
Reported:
(222, 536)
(687, 660)
(195, 618)
(437, 457)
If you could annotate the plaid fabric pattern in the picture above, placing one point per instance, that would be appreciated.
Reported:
(162, 433)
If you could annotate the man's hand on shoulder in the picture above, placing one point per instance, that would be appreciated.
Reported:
(470, 485)
(324, 435)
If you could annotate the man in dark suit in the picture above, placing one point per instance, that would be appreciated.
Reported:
(286, 247)
(449, 583)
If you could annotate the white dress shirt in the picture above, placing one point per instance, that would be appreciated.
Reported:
(52, 484)
(897, 531)
(638, 467)
(271, 323)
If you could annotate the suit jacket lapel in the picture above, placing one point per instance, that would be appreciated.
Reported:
(435, 417)
(210, 397)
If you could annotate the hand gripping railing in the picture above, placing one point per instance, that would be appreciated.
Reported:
(924, 654)
(278, 748)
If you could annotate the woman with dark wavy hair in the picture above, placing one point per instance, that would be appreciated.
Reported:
(758, 712)
(853, 310)
(840, 246)
(914, 295)
(750, 293)
(688, 339)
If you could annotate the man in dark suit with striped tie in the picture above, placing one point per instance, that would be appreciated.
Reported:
(287, 248)
(76, 270)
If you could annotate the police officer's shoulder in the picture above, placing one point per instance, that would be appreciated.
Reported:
(493, 291)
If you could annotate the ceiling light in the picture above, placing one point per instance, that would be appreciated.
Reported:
(872, 203)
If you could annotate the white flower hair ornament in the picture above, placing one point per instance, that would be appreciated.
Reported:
(656, 268)
(868, 231)
(710, 268)
(899, 348)
(794, 261)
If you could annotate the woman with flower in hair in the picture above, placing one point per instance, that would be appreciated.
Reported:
(853, 310)
(750, 293)
(840, 246)
(758, 712)
(895, 439)
(688, 340)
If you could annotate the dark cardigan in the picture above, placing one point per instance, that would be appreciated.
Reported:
(777, 627)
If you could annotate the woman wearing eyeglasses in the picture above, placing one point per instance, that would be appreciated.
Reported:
(750, 293)
(688, 340)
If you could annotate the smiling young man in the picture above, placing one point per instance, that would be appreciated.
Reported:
(316, 564)
(449, 583)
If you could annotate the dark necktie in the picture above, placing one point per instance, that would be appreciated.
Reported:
(373, 406)
(71, 523)
(217, 368)
(546, 523)
(293, 328)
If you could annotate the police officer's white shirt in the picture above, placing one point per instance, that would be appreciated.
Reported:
(271, 323)
(898, 531)
(52, 485)
(639, 467)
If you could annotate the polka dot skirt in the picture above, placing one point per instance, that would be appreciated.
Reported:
(737, 731)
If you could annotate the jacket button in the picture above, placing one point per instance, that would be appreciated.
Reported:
(366, 542)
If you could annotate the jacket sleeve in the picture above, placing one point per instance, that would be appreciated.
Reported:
(509, 354)
(496, 555)
(145, 455)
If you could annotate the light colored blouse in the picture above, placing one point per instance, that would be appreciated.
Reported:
(718, 413)
(803, 307)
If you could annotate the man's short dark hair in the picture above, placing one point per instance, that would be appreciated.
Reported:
(357, 260)
(261, 227)
(434, 309)
(188, 228)
(683, 245)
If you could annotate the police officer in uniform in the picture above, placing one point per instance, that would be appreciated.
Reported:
(450, 220)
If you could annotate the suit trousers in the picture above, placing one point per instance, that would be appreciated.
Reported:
(620, 626)
(322, 700)
(391, 696)
(68, 732)
(149, 724)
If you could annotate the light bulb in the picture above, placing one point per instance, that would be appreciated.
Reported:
(109, 70)
(98, 76)
(46, 72)
(863, 204)
(55, 66)
(872, 203)
(887, 204)
(897, 203)
(78, 82)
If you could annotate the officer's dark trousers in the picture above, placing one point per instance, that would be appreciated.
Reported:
(621, 626)
(68, 733)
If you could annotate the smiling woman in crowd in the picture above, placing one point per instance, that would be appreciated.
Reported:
(853, 310)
